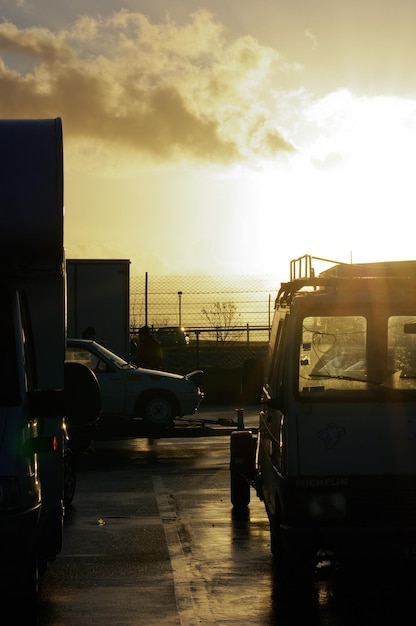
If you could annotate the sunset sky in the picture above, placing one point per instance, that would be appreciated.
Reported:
(224, 137)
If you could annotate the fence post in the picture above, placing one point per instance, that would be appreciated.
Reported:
(197, 347)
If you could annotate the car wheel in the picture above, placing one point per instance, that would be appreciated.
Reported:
(158, 410)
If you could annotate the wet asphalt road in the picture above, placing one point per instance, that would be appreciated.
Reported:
(151, 539)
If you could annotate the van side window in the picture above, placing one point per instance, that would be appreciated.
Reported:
(332, 353)
(401, 348)
(9, 371)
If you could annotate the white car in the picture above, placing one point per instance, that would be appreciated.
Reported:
(156, 398)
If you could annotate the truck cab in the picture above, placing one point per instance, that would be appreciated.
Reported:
(336, 447)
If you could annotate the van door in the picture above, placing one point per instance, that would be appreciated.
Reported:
(272, 416)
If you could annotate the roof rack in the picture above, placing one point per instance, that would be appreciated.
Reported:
(302, 274)
(301, 268)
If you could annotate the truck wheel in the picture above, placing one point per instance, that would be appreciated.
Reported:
(241, 467)
(158, 411)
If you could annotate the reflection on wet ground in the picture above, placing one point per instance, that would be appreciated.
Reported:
(168, 518)
(357, 594)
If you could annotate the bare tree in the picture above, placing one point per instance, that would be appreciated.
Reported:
(223, 317)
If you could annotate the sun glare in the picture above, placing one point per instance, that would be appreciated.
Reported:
(347, 193)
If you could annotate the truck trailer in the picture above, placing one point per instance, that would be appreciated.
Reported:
(98, 306)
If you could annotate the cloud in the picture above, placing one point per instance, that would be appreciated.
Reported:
(309, 35)
(163, 91)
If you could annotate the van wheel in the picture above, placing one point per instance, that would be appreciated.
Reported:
(291, 561)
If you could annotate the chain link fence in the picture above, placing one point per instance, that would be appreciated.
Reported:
(227, 320)
(219, 308)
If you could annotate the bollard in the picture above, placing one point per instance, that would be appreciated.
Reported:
(240, 419)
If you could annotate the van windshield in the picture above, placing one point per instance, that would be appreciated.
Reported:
(350, 353)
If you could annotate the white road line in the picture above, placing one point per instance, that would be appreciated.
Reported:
(190, 587)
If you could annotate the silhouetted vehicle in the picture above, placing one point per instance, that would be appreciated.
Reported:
(129, 392)
(172, 336)
(37, 476)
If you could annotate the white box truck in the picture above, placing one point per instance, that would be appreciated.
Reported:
(99, 302)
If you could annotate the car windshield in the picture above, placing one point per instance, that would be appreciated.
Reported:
(94, 355)
(356, 352)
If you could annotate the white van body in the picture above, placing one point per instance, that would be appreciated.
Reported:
(336, 445)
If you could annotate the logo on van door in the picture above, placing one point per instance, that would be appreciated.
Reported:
(331, 435)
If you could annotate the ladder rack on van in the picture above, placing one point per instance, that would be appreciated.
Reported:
(301, 268)
(302, 274)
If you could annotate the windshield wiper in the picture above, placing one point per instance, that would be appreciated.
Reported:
(352, 378)
(380, 385)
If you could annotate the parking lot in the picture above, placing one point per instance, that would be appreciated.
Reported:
(151, 538)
